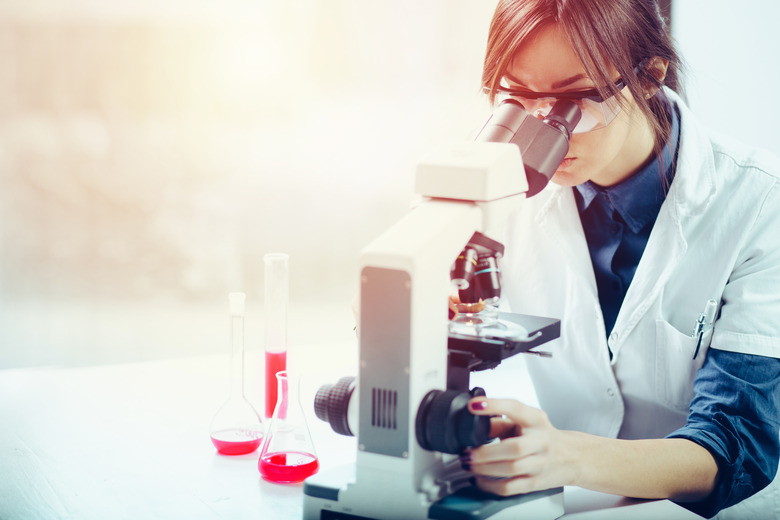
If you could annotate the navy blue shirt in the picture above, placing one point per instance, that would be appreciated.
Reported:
(735, 413)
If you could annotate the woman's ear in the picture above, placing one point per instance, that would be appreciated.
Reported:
(655, 72)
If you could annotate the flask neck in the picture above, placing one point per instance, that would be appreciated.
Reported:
(237, 357)
(283, 395)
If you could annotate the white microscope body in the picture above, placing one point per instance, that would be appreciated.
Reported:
(404, 294)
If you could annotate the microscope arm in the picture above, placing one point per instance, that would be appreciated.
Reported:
(405, 288)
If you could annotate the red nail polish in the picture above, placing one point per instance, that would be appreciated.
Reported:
(478, 405)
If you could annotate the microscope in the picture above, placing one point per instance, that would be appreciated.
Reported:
(407, 406)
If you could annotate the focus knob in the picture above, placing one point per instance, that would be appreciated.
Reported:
(331, 404)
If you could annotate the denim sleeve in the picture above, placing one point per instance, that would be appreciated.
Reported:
(735, 414)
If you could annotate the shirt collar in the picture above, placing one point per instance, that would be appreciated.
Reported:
(638, 198)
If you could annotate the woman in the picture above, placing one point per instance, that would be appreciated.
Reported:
(646, 220)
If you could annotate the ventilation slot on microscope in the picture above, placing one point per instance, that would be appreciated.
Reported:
(384, 408)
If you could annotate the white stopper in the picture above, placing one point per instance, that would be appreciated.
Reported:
(237, 300)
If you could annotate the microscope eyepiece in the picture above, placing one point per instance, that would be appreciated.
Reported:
(543, 143)
(564, 116)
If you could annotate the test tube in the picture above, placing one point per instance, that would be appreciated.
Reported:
(276, 303)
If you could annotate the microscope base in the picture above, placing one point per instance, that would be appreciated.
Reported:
(328, 501)
(472, 504)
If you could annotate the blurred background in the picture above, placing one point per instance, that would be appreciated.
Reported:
(151, 152)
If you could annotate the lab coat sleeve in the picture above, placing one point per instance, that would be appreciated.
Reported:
(748, 320)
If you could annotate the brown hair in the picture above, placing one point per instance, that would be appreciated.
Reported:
(604, 33)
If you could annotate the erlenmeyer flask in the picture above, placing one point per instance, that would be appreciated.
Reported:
(236, 427)
(288, 454)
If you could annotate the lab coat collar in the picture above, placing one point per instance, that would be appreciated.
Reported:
(692, 190)
(568, 234)
(664, 249)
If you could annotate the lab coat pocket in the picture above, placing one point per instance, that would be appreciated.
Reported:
(675, 366)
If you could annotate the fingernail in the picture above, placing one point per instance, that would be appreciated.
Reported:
(478, 405)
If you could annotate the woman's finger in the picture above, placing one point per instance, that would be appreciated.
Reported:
(524, 467)
(517, 412)
(501, 428)
(511, 449)
(510, 486)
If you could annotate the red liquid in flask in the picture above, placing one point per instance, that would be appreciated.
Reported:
(235, 442)
(274, 362)
(288, 467)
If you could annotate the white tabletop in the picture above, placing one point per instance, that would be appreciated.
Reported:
(132, 441)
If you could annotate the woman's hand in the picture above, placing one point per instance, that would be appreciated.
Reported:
(531, 456)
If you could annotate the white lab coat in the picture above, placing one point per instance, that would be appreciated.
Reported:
(717, 236)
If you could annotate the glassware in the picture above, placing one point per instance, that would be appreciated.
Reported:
(288, 454)
(236, 428)
(275, 311)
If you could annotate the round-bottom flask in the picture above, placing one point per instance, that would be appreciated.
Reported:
(236, 428)
(288, 454)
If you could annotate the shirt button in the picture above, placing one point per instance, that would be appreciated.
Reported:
(610, 392)
(614, 337)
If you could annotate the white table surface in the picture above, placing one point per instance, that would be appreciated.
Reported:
(132, 441)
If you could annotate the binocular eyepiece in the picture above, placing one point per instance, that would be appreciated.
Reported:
(543, 143)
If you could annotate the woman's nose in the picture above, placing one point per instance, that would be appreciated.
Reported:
(540, 109)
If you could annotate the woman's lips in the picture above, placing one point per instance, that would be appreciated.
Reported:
(566, 163)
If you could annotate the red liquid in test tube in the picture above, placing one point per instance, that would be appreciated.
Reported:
(274, 362)
(275, 311)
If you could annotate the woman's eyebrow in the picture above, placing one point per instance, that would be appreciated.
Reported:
(568, 81)
(558, 84)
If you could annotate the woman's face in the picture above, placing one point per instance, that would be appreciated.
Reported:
(606, 156)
